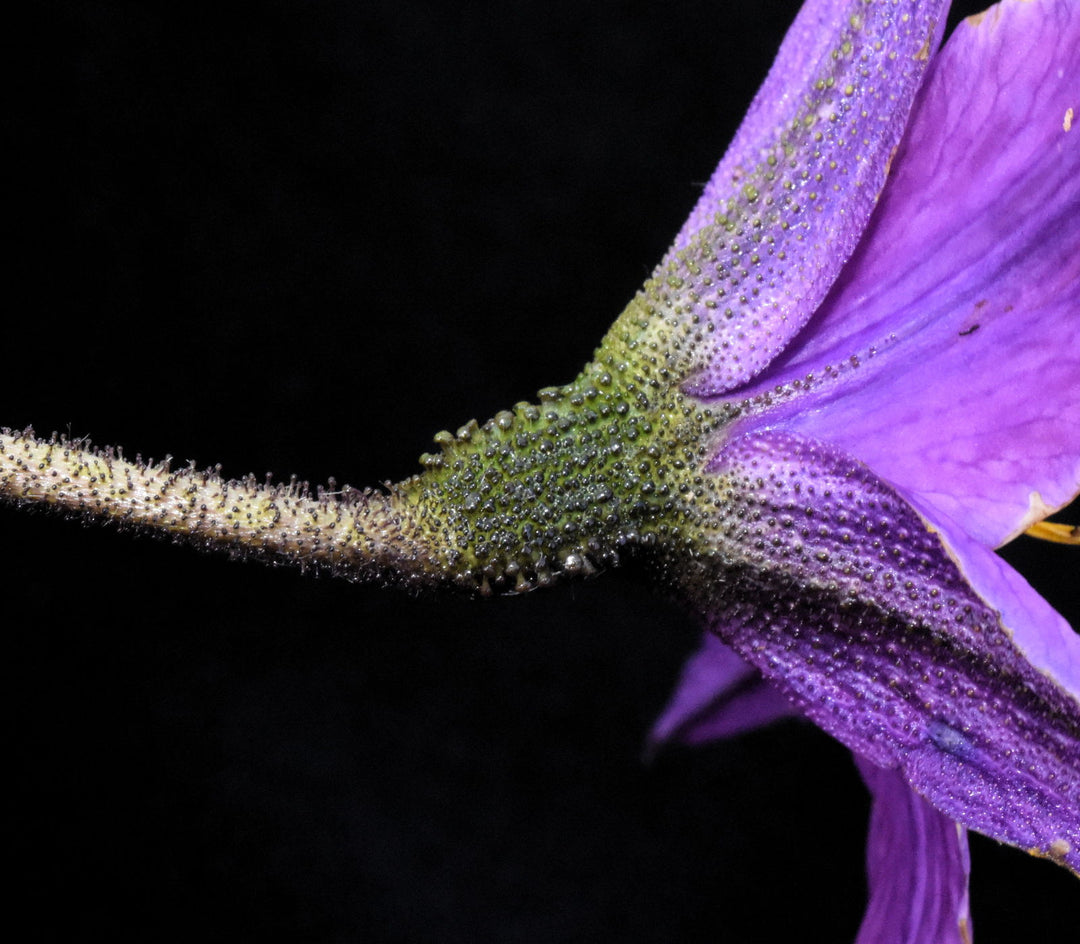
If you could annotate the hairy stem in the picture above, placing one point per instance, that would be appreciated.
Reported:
(360, 535)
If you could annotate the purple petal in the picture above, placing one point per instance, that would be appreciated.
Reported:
(910, 643)
(917, 866)
(718, 695)
(791, 198)
(1039, 632)
(961, 307)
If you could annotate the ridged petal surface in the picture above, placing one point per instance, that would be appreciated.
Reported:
(915, 646)
(948, 355)
(789, 201)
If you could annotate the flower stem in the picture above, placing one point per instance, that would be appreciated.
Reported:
(361, 535)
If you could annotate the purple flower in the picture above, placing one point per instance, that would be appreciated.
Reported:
(901, 413)
(856, 373)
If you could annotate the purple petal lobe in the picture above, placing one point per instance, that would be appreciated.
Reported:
(911, 644)
(1036, 629)
(948, 355)
(917, 866)
(719, 695)
(789, 201)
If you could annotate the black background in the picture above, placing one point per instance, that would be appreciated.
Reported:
(303, 237)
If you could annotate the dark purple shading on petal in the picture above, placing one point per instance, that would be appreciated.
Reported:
(791, 198)
(948, 355)
(718, 695)
(832, 585)
(917, 867)
(1039, 632)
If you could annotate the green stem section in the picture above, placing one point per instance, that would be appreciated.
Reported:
(612, 461)
(362, 535)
